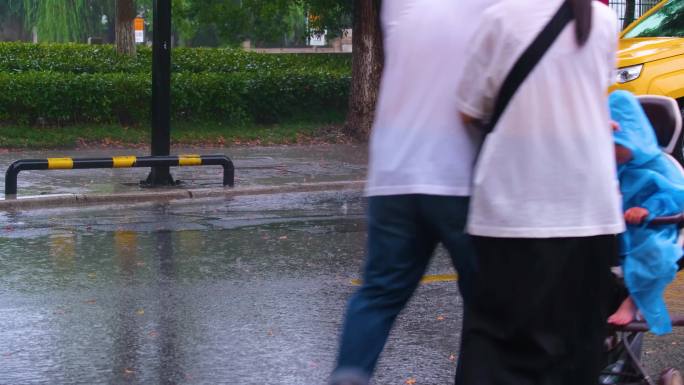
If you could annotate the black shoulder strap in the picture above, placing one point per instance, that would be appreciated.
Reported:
(528, 60)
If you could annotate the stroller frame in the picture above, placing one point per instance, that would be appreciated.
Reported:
(624, 365)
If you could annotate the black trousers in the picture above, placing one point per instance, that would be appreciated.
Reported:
(538, 313)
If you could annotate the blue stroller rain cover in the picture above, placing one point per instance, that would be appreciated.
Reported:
(652, 181)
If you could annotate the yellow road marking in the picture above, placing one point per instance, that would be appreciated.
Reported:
(426, 279)
(60, 163)
(189, 160)
(123, 161)
(439, 278)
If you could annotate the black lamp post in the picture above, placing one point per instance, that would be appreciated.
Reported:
(161, 91)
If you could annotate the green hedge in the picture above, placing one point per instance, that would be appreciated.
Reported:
(80, 58)
(235, 98)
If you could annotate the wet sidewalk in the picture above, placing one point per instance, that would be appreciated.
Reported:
(255, 166)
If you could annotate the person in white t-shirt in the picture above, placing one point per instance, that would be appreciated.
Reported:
(419, 175)
(545, 205)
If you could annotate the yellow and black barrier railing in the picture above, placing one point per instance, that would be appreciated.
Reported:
(117, 162)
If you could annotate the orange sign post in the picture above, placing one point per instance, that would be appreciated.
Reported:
(139, 27)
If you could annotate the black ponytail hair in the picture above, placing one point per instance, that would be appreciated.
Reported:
(582, 10)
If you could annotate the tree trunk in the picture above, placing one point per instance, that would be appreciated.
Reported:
(13, 29)
(630, 7)
(367, 61)
(125, 35)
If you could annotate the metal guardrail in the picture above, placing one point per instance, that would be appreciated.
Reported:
(117, 162)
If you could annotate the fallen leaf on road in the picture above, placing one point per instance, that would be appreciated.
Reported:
(91, 301)
(283, 237)
(452, 358)
(140, 312)
(440, 318)
(128, 371)
(270, 332)
(410, 381)
(153, 334)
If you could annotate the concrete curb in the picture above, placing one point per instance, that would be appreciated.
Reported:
(70, 200)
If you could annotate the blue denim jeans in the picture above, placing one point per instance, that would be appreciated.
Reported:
(403, 232)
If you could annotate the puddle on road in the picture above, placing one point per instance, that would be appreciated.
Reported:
(249, 290)
(177, 293)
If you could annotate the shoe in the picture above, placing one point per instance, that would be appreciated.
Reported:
(349, 377)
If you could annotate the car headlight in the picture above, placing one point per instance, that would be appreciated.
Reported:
(627, 74)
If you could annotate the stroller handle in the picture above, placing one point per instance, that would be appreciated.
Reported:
(640, 326)
(669, 220)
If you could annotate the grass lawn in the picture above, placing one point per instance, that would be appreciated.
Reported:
(182, 133)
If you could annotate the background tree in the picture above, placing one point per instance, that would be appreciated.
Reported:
(265, 22)
(125, 35)
(368, 56)
(367, 63)
(11, 20)
(62, 20)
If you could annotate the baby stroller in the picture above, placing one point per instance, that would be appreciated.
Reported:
(622, 365)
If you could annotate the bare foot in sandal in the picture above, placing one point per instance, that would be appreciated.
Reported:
(625, 314)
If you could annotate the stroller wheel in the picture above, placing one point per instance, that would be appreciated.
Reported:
(671, 377)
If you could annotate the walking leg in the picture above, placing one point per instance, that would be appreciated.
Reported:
(399, 249)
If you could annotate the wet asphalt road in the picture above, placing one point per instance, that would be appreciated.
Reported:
(243, 291)
(249, 290)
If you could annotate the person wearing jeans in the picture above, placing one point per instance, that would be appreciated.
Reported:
(403, 232)
(419, 174)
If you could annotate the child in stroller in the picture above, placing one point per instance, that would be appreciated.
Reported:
(645, 169)
(651, 186)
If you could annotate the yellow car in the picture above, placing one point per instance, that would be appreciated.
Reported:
(651, 53)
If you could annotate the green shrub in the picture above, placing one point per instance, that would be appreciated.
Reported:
(71, 83)
(79, 58)
(235, 98)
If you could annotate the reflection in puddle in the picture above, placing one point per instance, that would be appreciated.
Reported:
(125, 247)
(63, 250)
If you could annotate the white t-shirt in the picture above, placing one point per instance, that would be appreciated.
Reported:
(548, 169)
(418, 144)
